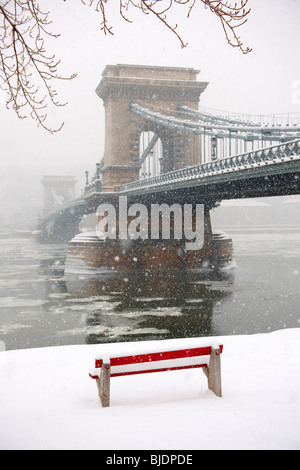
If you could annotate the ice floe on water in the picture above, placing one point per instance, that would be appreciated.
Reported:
(13, 302)
(114, 332)
(93, 306)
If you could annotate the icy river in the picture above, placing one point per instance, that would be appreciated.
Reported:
(40, 307)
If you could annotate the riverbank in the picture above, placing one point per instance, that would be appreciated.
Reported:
(47, 400)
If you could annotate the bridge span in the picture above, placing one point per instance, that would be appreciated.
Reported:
(160, 147)
(271, 171)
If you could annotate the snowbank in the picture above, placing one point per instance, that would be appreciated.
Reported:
(47, 400)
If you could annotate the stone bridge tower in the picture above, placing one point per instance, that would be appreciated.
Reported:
(153, 87)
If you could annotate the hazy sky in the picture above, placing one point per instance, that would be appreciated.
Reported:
(260, 82)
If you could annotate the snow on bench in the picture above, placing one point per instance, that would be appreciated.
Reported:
(207, 357)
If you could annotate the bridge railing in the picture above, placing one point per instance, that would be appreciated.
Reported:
(95, 184)
(265, 156)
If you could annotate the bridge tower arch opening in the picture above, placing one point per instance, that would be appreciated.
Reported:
(151, 155)
(160, 149)
(155, 88)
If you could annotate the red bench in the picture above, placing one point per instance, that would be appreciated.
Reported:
(206, 357)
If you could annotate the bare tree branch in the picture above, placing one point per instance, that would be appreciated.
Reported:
(27, 71)
(231, 17)
(231, 14)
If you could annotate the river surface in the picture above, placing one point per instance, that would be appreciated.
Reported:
(41, 307)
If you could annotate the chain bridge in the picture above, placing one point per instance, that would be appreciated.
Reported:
(162, 147)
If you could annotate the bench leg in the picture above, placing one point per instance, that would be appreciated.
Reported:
(213, 372)
(104, 385)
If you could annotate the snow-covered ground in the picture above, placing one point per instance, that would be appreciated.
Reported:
(48, 401)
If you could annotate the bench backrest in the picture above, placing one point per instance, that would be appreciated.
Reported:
(157, 361)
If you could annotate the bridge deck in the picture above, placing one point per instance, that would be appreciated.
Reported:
(266, 172)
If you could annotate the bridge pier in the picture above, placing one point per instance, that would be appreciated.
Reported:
(153, 238)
